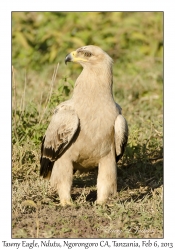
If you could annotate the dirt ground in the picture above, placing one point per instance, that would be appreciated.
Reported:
(136, 212)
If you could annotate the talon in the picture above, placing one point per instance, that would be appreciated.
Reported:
(65, 203)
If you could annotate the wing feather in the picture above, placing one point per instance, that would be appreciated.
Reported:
(119, 108)
(58, 137)
(121, 136)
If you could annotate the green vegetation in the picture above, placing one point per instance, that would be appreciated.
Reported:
(41, 80)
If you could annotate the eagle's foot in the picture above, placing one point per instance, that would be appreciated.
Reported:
(65, 203)
(100, 202)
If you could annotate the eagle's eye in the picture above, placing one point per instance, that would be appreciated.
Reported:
(88, 54)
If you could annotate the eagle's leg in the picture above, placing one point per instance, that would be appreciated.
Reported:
(107, 178)
(61, 179)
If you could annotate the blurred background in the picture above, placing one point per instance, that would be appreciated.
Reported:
(40, 39)
(134, 40)
(43, 38)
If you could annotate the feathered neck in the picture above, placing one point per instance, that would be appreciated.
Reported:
(95, 78)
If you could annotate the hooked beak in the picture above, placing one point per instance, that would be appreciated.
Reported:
(68, 58)
(74, 57)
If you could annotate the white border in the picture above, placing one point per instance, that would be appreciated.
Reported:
(5, 93)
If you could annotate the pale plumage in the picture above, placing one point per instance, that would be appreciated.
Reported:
(86, 131)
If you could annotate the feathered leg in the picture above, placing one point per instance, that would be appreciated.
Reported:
(107, 178)
(61, 179)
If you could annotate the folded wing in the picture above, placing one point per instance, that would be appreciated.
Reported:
(121, 135)
(58, 137)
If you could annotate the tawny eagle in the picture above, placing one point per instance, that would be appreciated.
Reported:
(86, 131)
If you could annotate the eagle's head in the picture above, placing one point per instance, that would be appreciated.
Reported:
(88, 55)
